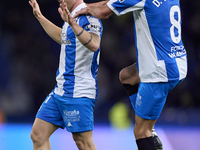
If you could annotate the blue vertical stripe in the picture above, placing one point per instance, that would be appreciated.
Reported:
(94, 68)
(70, 51)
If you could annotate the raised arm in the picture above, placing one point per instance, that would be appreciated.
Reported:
(99, 10)
(89, 40)
(52, 30)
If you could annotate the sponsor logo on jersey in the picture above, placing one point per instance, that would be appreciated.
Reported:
(71, 113)
(177, 51)
(97, 27)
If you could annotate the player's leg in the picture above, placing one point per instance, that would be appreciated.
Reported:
(142, 131)
(84, 141)
(149, 103)
(147, 109)
(48, 119)
(40, 134)
(129, 78)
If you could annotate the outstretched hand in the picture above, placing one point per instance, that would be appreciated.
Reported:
(64, 13)
(88, 10)
(84, 11)
(36, 8)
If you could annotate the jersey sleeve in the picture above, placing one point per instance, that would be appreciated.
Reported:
(120, 7)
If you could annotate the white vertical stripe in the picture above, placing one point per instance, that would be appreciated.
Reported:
(150, 68)
(60, 78)
(84, 81)
(182, 67)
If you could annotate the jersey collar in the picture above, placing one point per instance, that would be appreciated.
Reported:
(79, 7)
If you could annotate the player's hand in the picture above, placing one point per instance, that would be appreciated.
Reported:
(88, 10)
(65, 14)
(84, 11)
(36, 8)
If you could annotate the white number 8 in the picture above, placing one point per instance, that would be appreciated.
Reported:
(175, 24)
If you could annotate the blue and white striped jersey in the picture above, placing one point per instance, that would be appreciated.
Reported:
(160, 51)
(78, 67)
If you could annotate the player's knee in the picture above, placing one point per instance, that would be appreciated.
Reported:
(122, 76)
(36, 138)
(80, 144)
(84, 143)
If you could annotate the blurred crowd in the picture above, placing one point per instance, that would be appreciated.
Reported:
(29, 60)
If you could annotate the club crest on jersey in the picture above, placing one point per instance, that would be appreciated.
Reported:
(65, 40)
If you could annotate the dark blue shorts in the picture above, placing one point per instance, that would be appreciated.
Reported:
(76, 114)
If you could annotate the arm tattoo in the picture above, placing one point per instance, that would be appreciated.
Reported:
(80, 33)
(88, 41)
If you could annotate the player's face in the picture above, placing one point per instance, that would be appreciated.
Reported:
(70, 3)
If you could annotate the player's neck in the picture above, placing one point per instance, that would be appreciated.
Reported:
(78, 2)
